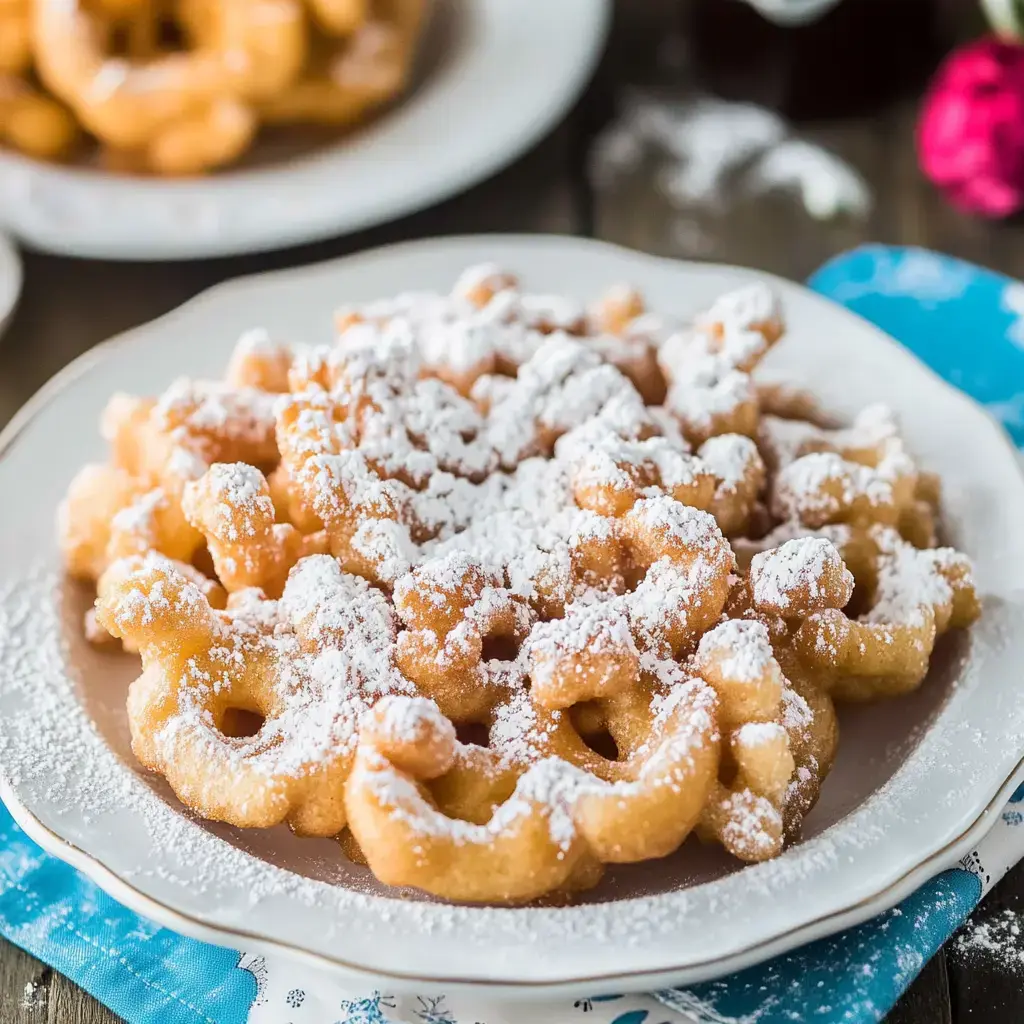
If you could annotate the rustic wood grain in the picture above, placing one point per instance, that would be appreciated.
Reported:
(927, 1000)
(24, 988)
(981, 988)
(68, 1004)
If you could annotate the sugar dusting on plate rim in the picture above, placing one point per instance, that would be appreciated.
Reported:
(51, 737)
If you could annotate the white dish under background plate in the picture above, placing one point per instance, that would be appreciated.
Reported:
(10, 280)
(915, 782)
(493, 76)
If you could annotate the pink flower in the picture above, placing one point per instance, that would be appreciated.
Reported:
(970, 136)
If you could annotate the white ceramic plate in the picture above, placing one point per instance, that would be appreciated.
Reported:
(493, 77)
(10, 280)
(917, 779)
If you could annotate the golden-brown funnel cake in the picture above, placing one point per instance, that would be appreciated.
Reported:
(96, 494)
(263, 43)
(213, 137)
(529, 554)
(678, 563)
(193, 424)
(708, 368)
(746, 814)
(412, 736)
(231, 506)
(454, 610)
(523, 731)
(157, 446)
(740, 476)
(918, 521)
(615, 327)
(116, 573)
(152, 522)
(177, 112)
(15, 37)
(340, 17)
(800, 577)
(351, 70)
(556, 817)
(563, 385)
(259, 361)
(340, 488)
(478, 285)
(154, 108)
(859, 475)
(616, 309)
(289, 506)
(108, 514)
(408, 428)
(30, 121)
(824, 488)
(611, 476)
(339, 446)
(914, 597)
(736, 658)
(489, 325)
(687, 563)
(813, 739)
(588, 655)
(626, 452)
(808, 714)
(754, 308)
(309, 666)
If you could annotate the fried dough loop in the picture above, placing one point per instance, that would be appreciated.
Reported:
(746, 813)
(912, 597)
(30, 121)
(557, 825)
(708, 368)
(230, 505)
(301, 665)
(361, 57)
(457, 591)
(858, 475)
(457, 613)
(178, 112)
(158, 446)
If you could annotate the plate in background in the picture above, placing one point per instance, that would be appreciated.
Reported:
(916, 781)
(10, 280)
(494, 76)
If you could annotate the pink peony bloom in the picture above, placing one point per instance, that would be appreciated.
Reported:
(970, 136)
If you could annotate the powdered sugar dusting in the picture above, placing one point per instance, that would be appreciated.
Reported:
(797, 566)
(996, 941)
(445, 504)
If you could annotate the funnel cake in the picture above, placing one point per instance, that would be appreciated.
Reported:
(501, 588)
(183, 88)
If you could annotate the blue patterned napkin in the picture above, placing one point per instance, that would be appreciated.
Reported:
(965, 322)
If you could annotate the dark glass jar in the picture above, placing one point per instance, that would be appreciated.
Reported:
(856, 56)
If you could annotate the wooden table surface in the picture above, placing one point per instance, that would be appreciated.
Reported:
(69, 305)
